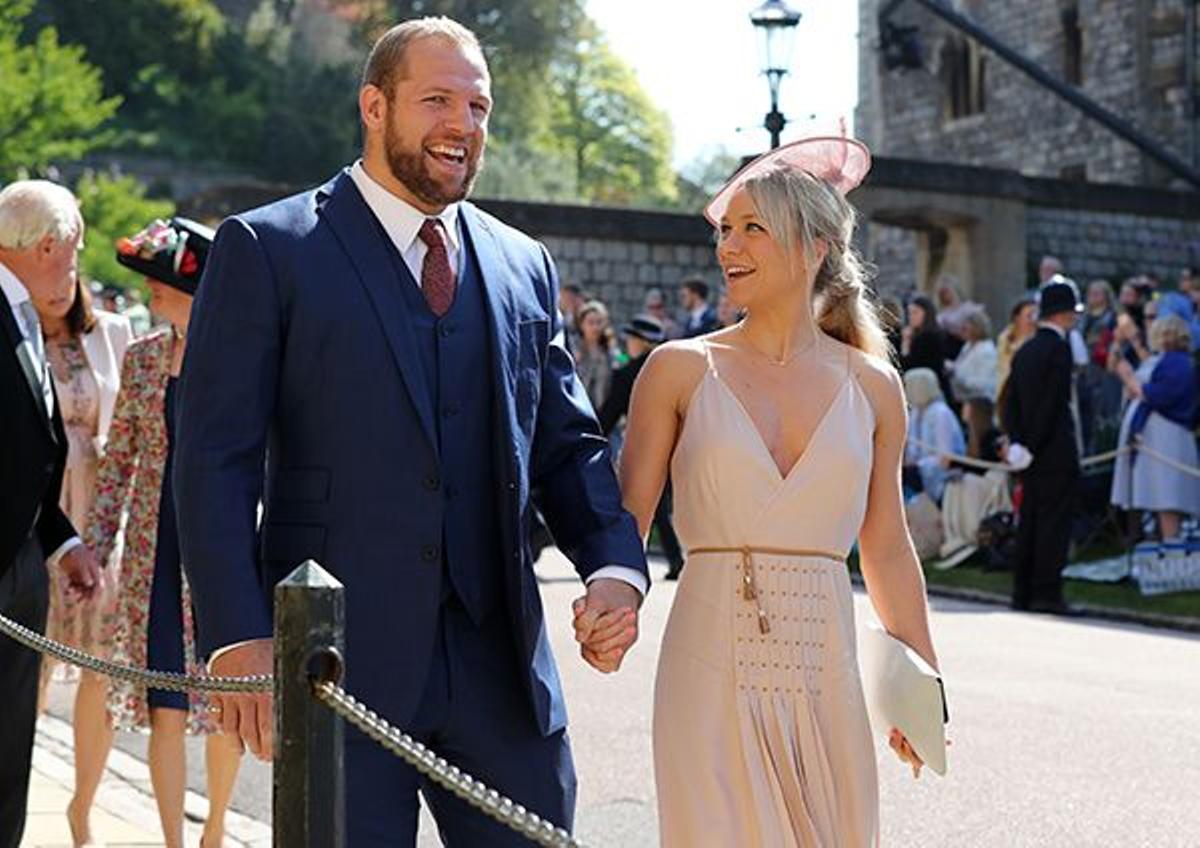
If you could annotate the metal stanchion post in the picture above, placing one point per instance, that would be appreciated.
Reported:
(309, 778)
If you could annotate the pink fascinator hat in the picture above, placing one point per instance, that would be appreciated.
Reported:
(840, 161)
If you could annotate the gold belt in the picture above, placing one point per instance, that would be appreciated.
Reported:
(749, 585)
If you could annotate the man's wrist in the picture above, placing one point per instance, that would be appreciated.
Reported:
(623, 573)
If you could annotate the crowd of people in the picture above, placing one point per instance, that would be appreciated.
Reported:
(1130, 386)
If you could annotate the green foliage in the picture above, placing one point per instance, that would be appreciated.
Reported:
(51, 102)
(700, 179)
(113, 206)
(618, 139)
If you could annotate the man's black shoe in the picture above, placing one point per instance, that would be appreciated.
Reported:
(1056, 608)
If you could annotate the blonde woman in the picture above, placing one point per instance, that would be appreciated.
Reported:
(594, 358)
(1022, 325)
(783, 436)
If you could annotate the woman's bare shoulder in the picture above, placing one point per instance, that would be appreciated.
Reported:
(880, 382)
(673, 369)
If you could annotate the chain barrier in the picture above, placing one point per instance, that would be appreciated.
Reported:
(425, 761)
(437, 769)
(168, 680)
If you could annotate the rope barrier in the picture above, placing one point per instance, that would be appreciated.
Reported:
(474, 792)
(1094, 459)
(168, 680)
(437, 769)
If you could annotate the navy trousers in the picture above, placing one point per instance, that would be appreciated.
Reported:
(475, 714)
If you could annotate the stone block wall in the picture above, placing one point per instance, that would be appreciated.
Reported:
(621, 271)
(1133, 64)
(1112, 245)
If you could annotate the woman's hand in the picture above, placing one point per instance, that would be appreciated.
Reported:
(905, 752)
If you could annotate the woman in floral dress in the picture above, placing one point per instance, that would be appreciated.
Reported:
(154, 626)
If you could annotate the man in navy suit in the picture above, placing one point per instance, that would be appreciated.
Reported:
(383, 364)
(700, 317)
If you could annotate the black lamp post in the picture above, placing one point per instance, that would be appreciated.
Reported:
(777, 22)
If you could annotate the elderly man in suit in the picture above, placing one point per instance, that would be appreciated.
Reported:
(383, 364)
(40, 234)
(1041, 432)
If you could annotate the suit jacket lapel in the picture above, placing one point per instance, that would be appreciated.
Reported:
(22, 351)
(498, 296)
(342, 207)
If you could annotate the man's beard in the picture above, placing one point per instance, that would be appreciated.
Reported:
(410, 169)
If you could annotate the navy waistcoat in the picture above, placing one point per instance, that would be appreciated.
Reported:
(456, 358)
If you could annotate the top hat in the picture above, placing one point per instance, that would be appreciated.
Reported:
(172, 252)
(1059, 294)
(840, 161)
(645, 327)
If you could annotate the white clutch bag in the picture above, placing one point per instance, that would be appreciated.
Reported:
(904, 692)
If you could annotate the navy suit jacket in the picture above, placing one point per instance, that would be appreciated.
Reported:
(302, 386)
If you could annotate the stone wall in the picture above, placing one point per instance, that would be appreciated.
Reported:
(1133, 64)
(1112, 245)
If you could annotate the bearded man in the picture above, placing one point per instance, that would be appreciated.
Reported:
(382, 364)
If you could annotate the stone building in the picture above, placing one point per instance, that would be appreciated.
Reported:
(1061, 182)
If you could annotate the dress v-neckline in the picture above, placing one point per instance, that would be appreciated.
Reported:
(780, 475)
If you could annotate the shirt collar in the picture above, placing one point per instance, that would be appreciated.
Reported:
(400, 219)
(13, 288)
(1062, 334)
(699, 311)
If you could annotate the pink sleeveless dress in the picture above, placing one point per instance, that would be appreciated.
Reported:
(760, 728)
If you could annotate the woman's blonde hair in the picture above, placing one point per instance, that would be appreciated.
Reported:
(1170, 333)
(802, 210)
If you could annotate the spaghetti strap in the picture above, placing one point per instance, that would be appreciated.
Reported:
(708, 357)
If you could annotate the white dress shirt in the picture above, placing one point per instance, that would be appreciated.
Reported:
(16, 294)
(402, 222)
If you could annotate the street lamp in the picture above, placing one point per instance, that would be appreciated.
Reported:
(777, 22)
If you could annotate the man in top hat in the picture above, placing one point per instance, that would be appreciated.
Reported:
(1041, 433)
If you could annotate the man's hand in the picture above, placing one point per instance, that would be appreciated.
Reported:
(82, 571)
(249, 717)
(606, 622)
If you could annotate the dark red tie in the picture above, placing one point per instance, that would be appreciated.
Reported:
(437, 277)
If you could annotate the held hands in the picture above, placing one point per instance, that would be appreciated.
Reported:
(82, 571)
(606, 623)
(248, 717)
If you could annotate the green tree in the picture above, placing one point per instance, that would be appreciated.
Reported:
(700, 178)
(112, 207)
(51, 103)
(618, 140)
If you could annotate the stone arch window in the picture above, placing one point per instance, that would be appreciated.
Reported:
(962, 72)
(1072, 45)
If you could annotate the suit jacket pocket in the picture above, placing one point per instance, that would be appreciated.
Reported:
(288, 545)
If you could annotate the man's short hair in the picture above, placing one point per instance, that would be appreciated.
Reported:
(571, 288)
(385, 64)
(696, 286)
(30, 210)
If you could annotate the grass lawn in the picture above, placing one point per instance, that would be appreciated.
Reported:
(1124, 595)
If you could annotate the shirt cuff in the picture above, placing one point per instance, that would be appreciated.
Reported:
(224, 650)
(631, 576)
(60, 552)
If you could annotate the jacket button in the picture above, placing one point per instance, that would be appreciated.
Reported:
(432, 483)
(429, 553)
(512, 487)
(48, 468)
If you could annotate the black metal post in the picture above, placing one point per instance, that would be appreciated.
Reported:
(1070, 93)
(308, 805)
(774, 124)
